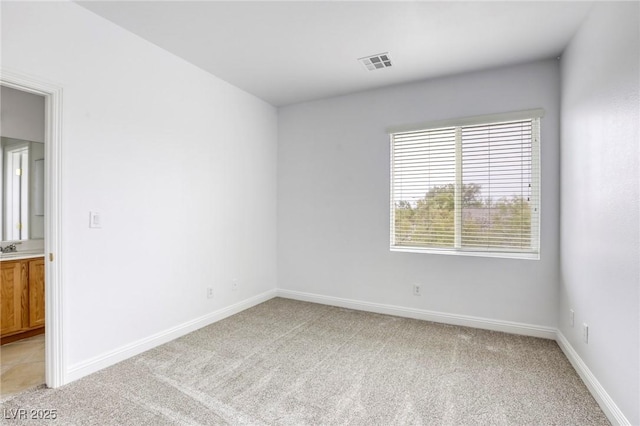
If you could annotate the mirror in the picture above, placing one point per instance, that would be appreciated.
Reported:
(22, 183)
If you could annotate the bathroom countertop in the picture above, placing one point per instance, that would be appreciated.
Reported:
(19, 255)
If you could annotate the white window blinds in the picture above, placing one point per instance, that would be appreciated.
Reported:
(471, 188)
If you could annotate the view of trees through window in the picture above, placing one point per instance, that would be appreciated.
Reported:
(504, 223)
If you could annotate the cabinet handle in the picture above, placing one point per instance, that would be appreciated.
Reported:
(50, 257)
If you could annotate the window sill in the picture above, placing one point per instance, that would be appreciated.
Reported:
(499, 255)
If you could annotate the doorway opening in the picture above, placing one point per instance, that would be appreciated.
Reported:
(32, 251)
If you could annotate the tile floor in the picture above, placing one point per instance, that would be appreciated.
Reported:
(22, 365)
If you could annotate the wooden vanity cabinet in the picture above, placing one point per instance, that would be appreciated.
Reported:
(21, 298)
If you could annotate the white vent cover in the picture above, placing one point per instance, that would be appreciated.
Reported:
(376, 62)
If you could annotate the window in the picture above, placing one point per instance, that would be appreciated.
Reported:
(468, 187)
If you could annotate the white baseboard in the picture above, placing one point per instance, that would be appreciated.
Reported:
(609, 407)
(107, 359)
(422, 314)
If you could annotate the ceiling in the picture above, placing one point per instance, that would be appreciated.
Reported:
(288, 52)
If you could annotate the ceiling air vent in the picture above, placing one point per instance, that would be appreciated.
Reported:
(376, 62)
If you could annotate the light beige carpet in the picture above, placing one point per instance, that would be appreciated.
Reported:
(296, 363)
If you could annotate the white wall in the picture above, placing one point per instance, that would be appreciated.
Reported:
(22, 114)
(600, 209)
(181, 165)
(333, 199)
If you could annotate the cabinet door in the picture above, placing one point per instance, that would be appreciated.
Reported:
(11, 293)
(36, 293)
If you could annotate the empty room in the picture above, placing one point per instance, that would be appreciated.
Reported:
(329, 212)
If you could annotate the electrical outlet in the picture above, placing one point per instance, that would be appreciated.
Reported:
(209, 292)
(571, 317)
(417, 291)
(234, 284)
(585, 332)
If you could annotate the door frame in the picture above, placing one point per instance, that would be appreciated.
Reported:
(55, 361)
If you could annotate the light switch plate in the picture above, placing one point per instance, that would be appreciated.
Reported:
(95, 221)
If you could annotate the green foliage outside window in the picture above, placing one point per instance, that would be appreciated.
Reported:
(430, 222)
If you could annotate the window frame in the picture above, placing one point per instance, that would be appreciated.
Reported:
(533, 114)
